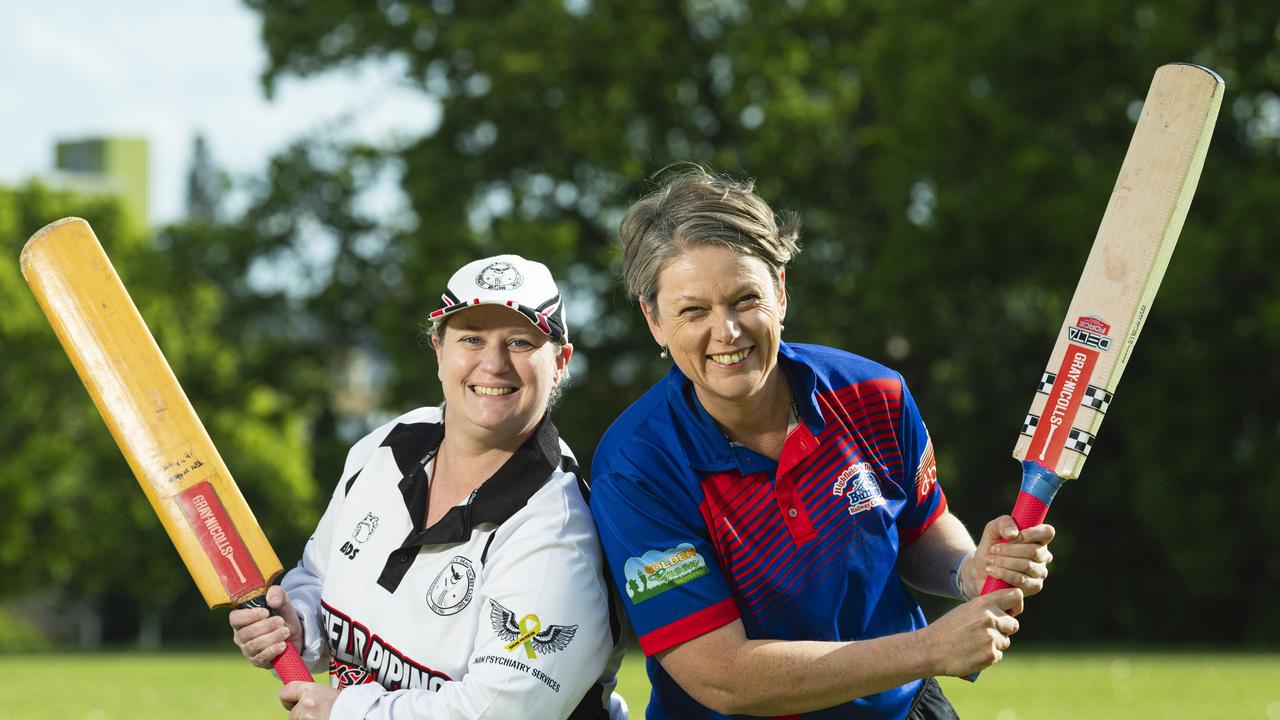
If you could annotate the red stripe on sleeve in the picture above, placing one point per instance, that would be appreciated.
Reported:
(906, 536)
(689, 627)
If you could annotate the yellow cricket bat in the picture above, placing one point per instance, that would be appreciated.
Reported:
(152, 421)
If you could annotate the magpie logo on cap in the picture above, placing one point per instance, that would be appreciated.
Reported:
(525, 286)
(500, 275)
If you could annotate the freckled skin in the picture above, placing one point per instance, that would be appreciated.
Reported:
(714, 301)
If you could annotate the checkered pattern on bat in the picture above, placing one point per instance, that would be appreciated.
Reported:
(1094, 397)
(1077, 440)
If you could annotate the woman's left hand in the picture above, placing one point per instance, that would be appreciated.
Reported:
(1022, 561)
(308, 701)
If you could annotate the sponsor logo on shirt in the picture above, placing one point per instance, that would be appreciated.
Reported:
(452, 589)
(528, 633)
(363, 531)
(517, 665)
(927, 475)
(364, 528)
(657, 571)
(358, 656)
(858, 483)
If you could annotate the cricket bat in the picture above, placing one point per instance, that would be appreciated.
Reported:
(1113, 298)
(152, 421)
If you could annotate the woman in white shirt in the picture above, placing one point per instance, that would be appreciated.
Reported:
(456, 572)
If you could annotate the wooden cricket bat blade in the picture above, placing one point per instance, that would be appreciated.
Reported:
(1135, 240)
(153, 423)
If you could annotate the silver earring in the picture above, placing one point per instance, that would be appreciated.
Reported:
(664, 354)
(781, 327)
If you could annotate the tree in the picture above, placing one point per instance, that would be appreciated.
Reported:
(207, 184)
(76, 522)
(951, 174)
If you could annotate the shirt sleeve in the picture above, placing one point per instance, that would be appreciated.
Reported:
(662, 561)
(303, 583)
(542, 643)
(927, 501)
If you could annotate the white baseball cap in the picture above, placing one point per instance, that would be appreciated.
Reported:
(525, 286)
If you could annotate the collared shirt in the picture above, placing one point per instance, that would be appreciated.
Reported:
(699, 531)
(500, 609)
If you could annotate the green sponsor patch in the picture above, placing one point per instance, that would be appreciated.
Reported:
(657, 571)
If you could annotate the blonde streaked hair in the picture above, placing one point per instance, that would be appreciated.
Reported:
(695, 208)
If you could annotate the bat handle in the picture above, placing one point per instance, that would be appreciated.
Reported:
(288, 665)
(1039, 485)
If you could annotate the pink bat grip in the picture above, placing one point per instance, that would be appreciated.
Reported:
(289, 665)
(1039, 485)
(1028, 511)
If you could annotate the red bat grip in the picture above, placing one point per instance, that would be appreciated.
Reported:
(1039, 485)
(289, 665)
(1028, 511)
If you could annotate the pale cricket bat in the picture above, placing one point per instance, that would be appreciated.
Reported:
(152, 421)
(1130, 253)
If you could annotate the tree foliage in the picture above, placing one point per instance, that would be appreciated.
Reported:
(950, 161)
(76, 522)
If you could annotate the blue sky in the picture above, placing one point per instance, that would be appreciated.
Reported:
(165, 71)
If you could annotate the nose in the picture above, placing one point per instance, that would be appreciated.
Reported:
(726, 328)
(495, 358)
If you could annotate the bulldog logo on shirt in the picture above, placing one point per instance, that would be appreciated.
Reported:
(453, 587)
(364, 528)
(858, 483)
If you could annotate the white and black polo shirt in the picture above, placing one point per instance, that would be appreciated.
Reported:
(499, 610)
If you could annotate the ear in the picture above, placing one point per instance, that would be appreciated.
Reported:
(437, 344)
(782, 295)
(655, 328)
(562, 361)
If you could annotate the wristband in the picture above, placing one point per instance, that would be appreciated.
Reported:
(957, 583)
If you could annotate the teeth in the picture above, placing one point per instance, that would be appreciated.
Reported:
(481, 390)
(731, 358)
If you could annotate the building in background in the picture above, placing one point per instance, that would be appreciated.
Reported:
(115, 166)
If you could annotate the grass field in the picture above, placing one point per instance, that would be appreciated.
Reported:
(1032, 685)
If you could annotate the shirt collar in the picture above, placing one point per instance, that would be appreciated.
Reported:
(508, 490)
(706, 447)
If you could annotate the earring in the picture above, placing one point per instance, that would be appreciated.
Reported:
(781, 327)
(664, 355)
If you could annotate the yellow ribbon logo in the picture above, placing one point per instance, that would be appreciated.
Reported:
(531, 625)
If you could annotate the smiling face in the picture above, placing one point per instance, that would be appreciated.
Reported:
(497, 371)
(719, 314)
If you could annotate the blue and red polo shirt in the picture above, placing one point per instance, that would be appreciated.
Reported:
(699, 531)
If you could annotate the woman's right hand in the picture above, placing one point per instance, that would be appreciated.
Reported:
(260, 635)
(974, 635)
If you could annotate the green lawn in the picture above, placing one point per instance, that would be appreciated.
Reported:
(1032, 685)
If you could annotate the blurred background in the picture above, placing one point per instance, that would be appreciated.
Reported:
(285, 186)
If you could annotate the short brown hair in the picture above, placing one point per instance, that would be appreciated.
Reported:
(696, 208)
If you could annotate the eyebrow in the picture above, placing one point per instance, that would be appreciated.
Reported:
(737, 291)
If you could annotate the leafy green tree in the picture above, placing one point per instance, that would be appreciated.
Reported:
(76, 523)
(207, 184)
(951, 162)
